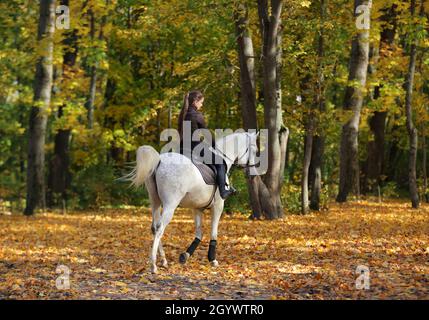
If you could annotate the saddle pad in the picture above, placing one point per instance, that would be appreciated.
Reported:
(207, 171)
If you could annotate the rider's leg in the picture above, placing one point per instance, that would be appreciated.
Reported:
(221, 181)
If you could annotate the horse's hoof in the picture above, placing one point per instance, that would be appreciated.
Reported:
(214, 263)
(164, 264)
(184, 257)
(153, 269)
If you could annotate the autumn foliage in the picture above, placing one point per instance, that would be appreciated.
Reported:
(298, 257)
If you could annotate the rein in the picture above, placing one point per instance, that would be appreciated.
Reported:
(235, 162)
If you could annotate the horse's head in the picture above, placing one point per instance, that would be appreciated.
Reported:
(248, 158)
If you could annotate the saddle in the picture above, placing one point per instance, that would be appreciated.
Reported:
(208, 171)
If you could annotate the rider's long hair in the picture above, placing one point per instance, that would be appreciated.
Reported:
(189, 100)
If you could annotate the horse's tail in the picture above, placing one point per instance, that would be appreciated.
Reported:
(147, 160)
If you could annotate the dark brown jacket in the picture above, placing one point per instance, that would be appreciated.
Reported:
(197, 122)
(196, 118)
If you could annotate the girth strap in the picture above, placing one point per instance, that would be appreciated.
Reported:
(211, 199)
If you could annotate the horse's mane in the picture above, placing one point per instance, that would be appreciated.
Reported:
(231, 135)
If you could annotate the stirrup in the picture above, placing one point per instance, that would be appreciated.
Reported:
(227, 193)
(230, 187)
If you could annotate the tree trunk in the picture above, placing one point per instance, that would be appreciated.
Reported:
(264, 194)
(91, 97)
(284, 138)
(38, 116)
(247, 68)
(93, 73)
(247, 94)
(412, 130)
(308, 143)
(158, 126)
(93, 77)
(318, 140)
(349, 164)
(270, 30)
(109, 122)
(375, 161)
(316, 171)
(283, 131)
(169, 116)
(424, 169)
(59, 177)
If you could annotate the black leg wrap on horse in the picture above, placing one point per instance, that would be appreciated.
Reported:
(193, 246)
(212, 250)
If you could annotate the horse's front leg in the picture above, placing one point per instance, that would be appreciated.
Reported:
(217, 210)
(198, 219)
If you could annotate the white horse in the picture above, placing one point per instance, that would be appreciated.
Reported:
(172, 180)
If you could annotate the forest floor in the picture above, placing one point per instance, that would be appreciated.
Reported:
(298, 257)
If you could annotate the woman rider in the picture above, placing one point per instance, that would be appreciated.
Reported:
(192, 105)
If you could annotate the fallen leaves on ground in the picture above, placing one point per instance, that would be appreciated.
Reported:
(298, 257)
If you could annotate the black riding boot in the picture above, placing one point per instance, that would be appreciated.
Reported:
(221, 181)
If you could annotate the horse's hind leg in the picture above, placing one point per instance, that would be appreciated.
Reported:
(198, 219)
(156, 213)
(159, 228)
(156, 218)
